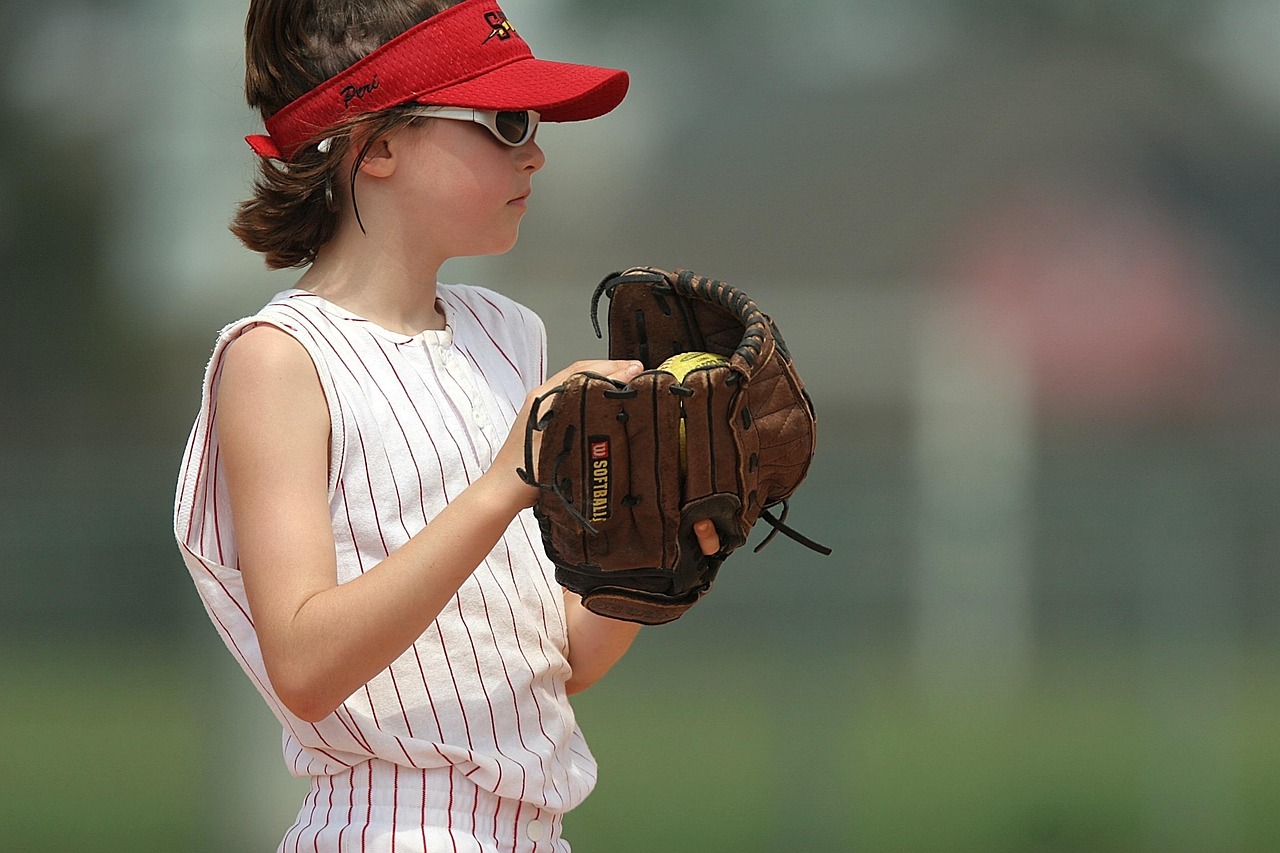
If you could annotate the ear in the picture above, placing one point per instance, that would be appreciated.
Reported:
(379, 162)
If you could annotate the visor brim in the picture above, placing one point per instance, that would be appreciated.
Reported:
(559, 91)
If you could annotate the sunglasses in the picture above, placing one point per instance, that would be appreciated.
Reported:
(510, 127)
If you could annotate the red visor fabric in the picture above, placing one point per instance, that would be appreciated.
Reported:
(467, 56)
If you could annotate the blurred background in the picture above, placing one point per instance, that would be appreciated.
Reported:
(1023, 253)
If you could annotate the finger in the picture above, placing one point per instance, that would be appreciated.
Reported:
(613, 368)
(708, 538)
(625, 371)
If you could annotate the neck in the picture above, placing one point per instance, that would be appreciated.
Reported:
(395, 289)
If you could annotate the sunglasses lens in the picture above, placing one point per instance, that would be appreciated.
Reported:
(513, 126)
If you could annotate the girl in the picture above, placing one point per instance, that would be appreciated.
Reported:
(348, 505)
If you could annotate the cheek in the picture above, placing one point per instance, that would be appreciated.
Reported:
(460, 188)
(464, 185)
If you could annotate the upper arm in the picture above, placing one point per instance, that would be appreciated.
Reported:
(273, 433)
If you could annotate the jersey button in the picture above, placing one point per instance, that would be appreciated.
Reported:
(536, 830)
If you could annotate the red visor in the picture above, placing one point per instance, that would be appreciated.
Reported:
(466, 56)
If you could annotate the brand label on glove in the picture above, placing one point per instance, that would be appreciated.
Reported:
(598, 447)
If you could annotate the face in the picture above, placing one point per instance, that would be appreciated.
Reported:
(461, 191)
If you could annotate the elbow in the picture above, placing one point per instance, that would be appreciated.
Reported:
(308, 699)
(577, 684)
(583, 675)
(308, 709)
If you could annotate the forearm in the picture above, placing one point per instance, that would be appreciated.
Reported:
(596, 643)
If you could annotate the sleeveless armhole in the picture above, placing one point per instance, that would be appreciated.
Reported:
(337, 431)
(200, 512)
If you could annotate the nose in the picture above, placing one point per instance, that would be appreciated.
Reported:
(530, 156)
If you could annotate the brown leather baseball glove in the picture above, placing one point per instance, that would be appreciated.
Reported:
(625, 469)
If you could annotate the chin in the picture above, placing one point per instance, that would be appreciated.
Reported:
(505, 246)
(494, 244)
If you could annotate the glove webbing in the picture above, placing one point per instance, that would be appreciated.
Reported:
(692, 286)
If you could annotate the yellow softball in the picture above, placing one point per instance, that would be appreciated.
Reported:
(681, 363)
(679, 366)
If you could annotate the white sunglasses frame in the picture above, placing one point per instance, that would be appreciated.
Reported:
(486, 118)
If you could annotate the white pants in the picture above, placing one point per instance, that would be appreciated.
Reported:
(380, 807)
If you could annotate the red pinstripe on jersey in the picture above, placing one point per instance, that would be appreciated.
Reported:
(414, 421)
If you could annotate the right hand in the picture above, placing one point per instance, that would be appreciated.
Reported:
(512, 456)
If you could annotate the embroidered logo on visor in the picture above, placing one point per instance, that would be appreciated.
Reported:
(352, 91)
(500, 27)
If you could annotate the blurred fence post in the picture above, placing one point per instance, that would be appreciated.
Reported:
(1190, 636)
(973, 450)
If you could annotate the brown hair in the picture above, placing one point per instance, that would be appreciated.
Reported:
(290, 48)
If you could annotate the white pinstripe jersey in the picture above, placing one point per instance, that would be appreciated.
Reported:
(414, 420)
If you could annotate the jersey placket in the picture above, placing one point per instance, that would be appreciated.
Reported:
(468, 399)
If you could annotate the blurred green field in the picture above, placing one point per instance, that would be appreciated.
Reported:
(850, 757)
(111, 750)
(101, 750)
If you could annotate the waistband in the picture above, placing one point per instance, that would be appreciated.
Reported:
(379, 806)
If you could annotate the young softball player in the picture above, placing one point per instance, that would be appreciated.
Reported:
(348, 504)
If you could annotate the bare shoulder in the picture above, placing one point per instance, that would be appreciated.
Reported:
(266, 372)
(266, 349)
